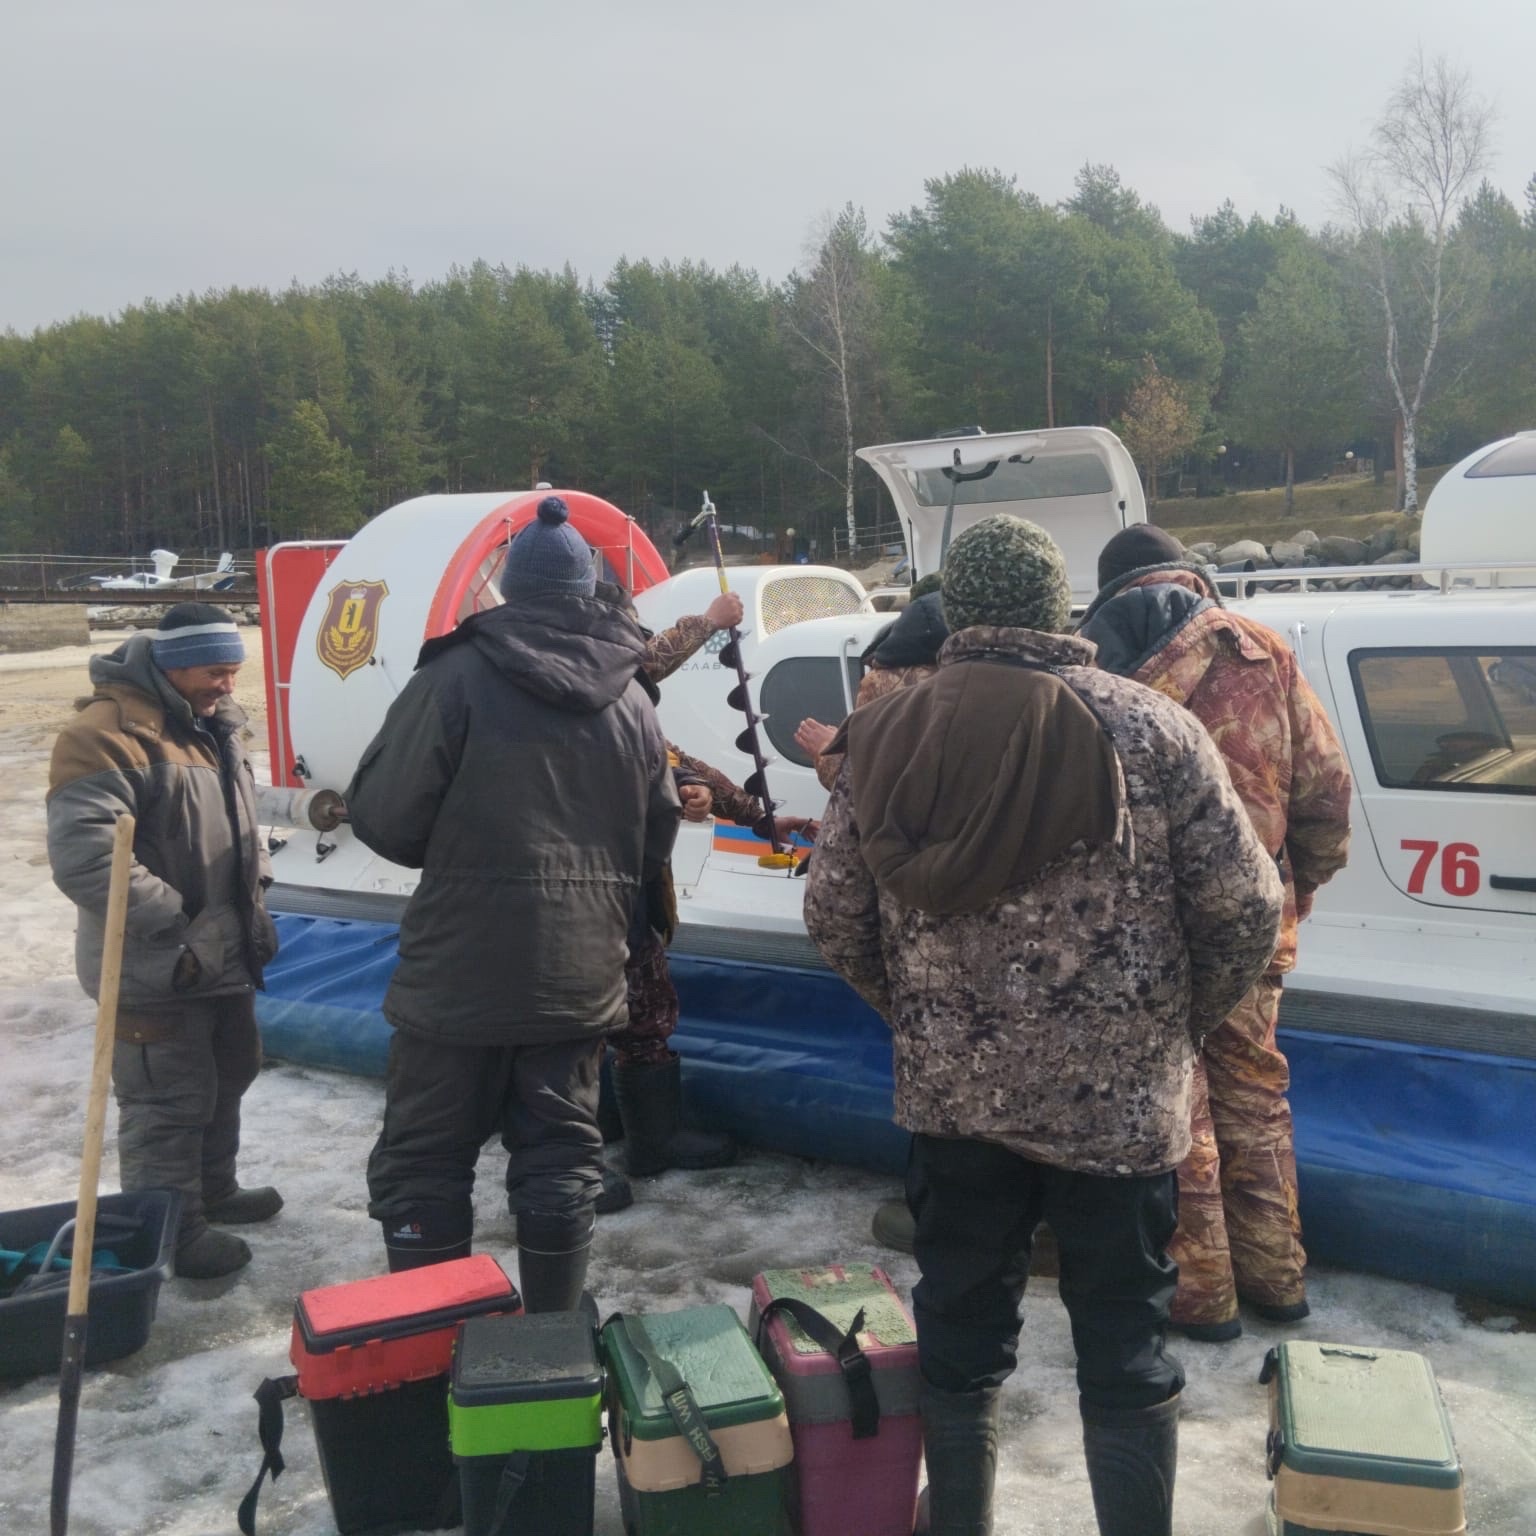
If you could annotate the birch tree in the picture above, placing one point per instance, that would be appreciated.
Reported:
(1402, 195)
(830, 313)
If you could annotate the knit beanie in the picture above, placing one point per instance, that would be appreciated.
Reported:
(1006, 571)
(549, 556)
(1131, 549)
(196, 635)
(932, 582)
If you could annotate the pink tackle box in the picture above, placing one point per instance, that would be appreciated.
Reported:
(843, 1350)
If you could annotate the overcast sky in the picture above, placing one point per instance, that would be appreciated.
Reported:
(156, 147)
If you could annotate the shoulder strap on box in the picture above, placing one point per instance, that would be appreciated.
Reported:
(679, 1399)
(270, 1397)
(844, 1348)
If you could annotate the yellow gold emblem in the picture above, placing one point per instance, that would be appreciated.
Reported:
(350, 629)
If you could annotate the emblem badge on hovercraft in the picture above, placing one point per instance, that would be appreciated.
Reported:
(350, 629)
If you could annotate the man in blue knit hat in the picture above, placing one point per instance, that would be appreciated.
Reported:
(163, 740)
(523, 771)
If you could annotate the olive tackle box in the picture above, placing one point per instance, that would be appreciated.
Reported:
(698, 1427)
(843, 1350)
(1359, 1443)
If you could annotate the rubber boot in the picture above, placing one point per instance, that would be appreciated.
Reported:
(651, 1106)
(243, 1206)
(1132, 1454)
(211, 1255)
(552, 1252)
(960, 1447)
(616, 1193)
(893, 1226)
(427, 1235)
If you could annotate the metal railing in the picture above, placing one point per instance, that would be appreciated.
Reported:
(1434, 577)
(42, 578)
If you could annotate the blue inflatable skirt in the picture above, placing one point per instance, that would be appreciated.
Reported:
(1415, 1162)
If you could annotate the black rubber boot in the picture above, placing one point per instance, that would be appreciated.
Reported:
(960, 1447)
(242, 1206)
(211, 1255)
(552, 1252)
(428, 1235)
(651, 1106)
(1132, 1454)
(616, 1194)
(893, 1226)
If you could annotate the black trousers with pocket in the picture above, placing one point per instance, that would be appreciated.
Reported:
(443, 1102)
(977, 1205)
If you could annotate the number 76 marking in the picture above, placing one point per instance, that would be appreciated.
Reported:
(1459, 872)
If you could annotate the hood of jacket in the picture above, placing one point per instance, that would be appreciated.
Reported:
(576, 653)
(973, 780)
(132, 666)
(916, 637)
(1138, 621)
(1163, 627)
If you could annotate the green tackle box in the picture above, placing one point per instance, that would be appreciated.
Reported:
(730, 1473)
(525, 1405)
(1359, 1444)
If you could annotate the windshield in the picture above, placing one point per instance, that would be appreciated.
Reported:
(1041, 478)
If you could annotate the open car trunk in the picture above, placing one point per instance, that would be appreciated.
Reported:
(1078, 483)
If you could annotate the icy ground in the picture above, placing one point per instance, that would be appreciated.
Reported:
(167, 1438)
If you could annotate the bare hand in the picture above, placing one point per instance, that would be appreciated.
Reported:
(788, 826)
(725, 612)
(696, 800)
(813, 738)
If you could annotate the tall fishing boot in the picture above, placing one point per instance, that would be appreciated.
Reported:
(960, 1448)
(616, 1193)
(651, 1105)
(552, 1252)
(427, 1235)
(1132, 1454)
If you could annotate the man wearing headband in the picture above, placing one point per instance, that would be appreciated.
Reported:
(162, 739)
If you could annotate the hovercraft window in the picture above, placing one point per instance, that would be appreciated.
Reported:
(1450, 719)
(802, 686)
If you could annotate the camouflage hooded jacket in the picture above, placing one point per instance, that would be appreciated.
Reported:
(1164, 626)
(1061, 1017)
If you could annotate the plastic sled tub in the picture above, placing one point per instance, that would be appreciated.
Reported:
(140, 1229)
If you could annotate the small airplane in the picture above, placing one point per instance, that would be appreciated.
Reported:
(220, 579)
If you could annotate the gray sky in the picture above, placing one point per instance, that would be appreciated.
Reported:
(156, 147)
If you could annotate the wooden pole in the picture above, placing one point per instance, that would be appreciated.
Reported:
(72, 1364)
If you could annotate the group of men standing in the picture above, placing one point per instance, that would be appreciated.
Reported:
(1068, 878)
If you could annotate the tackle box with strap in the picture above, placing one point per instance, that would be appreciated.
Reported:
(372, 1359)
(1359, 1443)
(525, 1417)
(843, 1350)
(697, 1425)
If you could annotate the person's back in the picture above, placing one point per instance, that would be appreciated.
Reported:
(1158, 619)
(523, 770)
(1040, 875)
(538, 834)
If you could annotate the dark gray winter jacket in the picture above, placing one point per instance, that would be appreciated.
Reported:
(135, 746)
(524, 772)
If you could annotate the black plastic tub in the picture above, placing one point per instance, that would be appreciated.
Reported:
(141, 1230)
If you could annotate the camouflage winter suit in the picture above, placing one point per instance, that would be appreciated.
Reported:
(1239, 1231)
(653, 1005)
(1062, 1018)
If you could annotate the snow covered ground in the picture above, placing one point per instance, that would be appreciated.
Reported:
(167, 1437)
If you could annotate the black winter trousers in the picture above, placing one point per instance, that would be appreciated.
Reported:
(977, 1206)
(443, 1102)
